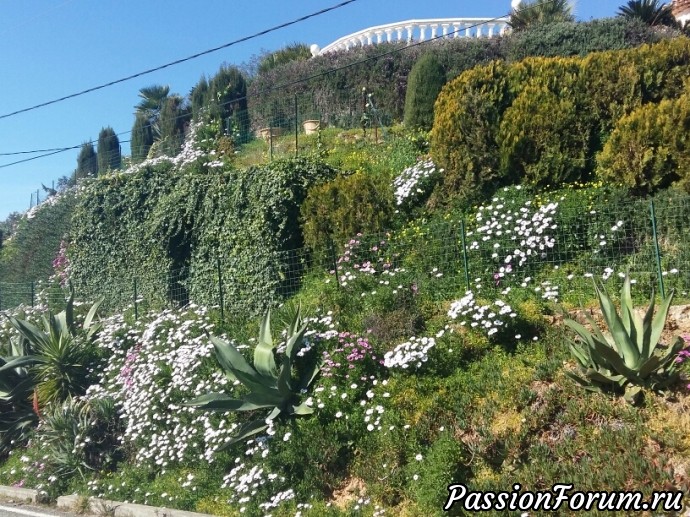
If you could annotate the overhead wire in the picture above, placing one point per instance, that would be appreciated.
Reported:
(182, 60)
(296, 81)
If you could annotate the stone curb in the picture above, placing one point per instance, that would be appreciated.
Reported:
(119, 509)
(20, 494)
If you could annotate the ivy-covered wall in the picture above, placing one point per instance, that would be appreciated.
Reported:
(28, 255)
(171, 228)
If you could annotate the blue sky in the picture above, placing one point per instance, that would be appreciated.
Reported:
(54, 48)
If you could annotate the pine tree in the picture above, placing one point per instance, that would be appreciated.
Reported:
(424, 83)
(142, 138)
(109, 156)
(87, 162)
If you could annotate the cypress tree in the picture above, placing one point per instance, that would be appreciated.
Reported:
(199, 96)
(109, 156)
(425, 82)
(87, 162)
(172, 120)
(142, 138)
(228, 98)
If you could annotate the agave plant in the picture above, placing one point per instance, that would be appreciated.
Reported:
(278, 388)
(17, 415)
(629, 357)
(58, 356)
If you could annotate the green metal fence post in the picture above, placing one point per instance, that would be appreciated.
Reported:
(296, 130)
(33, 293)
(657, 251)
(136, 303)
(220, 291)
(464, 254)
(270, 143)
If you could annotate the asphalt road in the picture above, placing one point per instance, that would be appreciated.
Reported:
(11, 509)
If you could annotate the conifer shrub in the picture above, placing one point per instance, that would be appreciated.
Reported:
(649, 149)
(463, 139)
(337, 211)
(426, 79)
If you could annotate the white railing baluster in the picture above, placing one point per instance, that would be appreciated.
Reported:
(405, 31)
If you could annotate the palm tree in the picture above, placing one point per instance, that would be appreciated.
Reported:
(152, 99)
(538, 12)
(651, 12)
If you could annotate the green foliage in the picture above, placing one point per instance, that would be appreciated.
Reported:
(463, 139)
(142, 138)
(650, 12)
(540, 12)
(426, 79)
(270, 386)
(109, 156)
(291, 52)
(35, 242)
(87, 162)
(546, 118)
(227, 100)
(630, 358)
(649, 149)
(578, 38)
(171, 121)
(152, 223)
(60, 357)
(17, 415)
(78, 436)
(545, 135)
(339, 210)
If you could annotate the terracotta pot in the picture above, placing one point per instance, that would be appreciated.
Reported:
(270, 132)
(311, 126)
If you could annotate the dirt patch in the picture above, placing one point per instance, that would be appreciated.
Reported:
(353, 489)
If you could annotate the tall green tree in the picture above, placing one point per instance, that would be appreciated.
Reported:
(142, 138)
(424, 83)
(228, 99)
(109, 154)
(540, 12)
(199, 96)
(172, 121)
(650, 12)
(87, 162)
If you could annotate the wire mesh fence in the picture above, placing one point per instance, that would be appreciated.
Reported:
(551, 250)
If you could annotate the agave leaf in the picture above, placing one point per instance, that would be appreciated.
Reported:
(610, 356)
(294, 344)
(302, 409)
(230, 358)
(631, 321)
(285, 377)
(32, 334)
(658, 324)
(264, 362)
(580, 354)
(581, 331)
(222, 402)
(296, 322)
(88, 321)
(247, 430)
(599, 377)
(650, 365)
(308, 377)
(596, 331)
(585, 383)
(626, 348)
(19, 362)
(633, 394)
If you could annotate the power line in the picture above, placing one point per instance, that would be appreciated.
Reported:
(179, 61)
(291, 83)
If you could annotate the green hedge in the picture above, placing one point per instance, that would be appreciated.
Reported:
(168, 228)
(543, 120)
(335, 97)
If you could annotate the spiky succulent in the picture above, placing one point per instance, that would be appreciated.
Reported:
(630, 356)
(278, 388)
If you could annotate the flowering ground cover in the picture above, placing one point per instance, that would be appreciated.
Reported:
(430, 373)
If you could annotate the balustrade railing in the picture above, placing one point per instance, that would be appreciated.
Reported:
(421, 30)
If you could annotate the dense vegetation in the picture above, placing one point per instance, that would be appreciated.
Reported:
(426, 339)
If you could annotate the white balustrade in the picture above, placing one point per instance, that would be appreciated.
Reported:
(416, 30)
